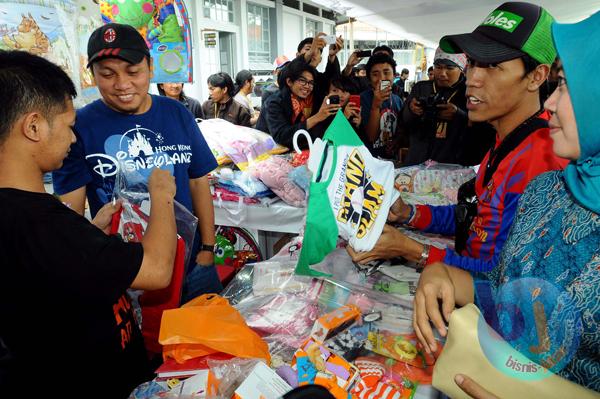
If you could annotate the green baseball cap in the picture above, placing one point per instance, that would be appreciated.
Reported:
(510, 31)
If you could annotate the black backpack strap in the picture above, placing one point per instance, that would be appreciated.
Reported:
(511, 142)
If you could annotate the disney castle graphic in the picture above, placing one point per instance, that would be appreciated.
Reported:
(139, 146)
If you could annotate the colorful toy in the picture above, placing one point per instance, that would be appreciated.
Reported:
(158, 22)
(318, 365)
(330, 324)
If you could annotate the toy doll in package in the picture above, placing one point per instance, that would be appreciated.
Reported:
(316, 364)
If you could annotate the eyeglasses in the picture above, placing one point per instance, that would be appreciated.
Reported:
(561, 81)
(304, 82)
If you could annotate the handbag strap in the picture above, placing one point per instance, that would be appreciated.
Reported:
(511, 142)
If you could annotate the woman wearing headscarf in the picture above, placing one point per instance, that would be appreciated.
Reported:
(543, 297)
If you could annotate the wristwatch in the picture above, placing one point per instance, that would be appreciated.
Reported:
(207, 248)
(424, 255)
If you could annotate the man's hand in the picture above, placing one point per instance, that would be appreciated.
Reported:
(327, 110)
(399, 212)
(380, 96)
(472, 388)
(335, 48)
(390, 245)
(446, 111)
(415, 108)
(435, 283)
(205, 258)
(353, 61)
(162, 183)
(103, 218)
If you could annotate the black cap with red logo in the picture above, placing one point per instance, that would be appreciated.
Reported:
(117, 41)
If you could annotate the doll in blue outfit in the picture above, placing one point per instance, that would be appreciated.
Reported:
(543, 298)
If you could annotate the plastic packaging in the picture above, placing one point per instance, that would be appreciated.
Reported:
(288, 316)
(205, 325)
(432, 177)
(240, 288)
(241, 182)
(240, 144)
(132, 188)
(301, 177)
(226, 375)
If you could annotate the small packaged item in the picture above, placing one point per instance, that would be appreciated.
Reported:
(262, 383)
(401, 347)
(332, 323)
(316, 364)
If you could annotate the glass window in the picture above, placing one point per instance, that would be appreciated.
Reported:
(259, 34)
(219, 10)
(312, 28)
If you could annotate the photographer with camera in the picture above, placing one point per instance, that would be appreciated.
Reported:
(435, 112)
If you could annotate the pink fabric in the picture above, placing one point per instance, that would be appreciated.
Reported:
(273, 172)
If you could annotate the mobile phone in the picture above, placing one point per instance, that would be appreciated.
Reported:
(363, 54)
(355, 99)
(335, 99)
(329, 39)
(384, 84)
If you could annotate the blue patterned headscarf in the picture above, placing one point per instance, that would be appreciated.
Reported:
(578, 47)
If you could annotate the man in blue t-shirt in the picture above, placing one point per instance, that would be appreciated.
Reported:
(132, 129)
(380, 109)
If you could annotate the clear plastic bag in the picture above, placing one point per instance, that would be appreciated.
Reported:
(242, 183)
(227, 375)
(288, 316)
(237, 143)
(240, 288)
(132, 189)
(432, 178)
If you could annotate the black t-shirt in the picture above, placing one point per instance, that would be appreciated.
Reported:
(67, 325)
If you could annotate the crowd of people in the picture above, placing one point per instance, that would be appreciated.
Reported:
(531, 211)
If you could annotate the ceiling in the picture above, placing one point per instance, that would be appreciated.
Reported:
(427, 21)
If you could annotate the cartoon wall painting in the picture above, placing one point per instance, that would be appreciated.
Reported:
(165, 26)
(41, 28)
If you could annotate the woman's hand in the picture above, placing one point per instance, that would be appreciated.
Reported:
(434, 284)
(472, 388)
(352, 113)
(103, 218)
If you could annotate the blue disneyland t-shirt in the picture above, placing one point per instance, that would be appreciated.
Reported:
(165, 137)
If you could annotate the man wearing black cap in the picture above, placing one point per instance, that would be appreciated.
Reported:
(130, 128)
(509, 56)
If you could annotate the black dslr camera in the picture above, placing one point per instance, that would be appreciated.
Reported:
(429, 105)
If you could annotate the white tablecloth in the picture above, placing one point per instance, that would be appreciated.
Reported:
(277, 217)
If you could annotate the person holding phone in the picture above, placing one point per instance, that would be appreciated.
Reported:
(293, 108)
(360, 82)
(380, 108)
(339, 93)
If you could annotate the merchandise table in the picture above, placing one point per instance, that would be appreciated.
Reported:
(277, 217)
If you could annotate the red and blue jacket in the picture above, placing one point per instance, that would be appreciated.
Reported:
(497, 204)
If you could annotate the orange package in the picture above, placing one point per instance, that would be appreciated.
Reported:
(205, 325)
(332, 323)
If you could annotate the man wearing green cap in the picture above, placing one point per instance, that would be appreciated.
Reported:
(509, 56)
